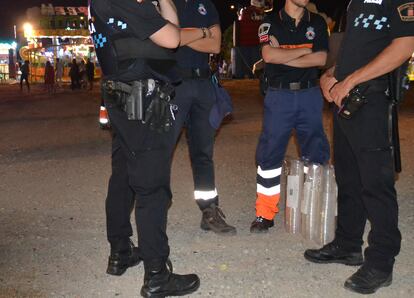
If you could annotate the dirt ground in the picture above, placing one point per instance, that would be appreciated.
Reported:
(54, 168)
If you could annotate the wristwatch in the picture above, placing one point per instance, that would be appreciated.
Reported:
(204, 29)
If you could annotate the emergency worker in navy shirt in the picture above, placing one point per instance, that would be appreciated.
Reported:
(133, 41)
(379, 37)
(294, 44)
(195, 97)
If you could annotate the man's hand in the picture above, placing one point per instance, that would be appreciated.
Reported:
(327, 82)
(274, 42)
(340, 91)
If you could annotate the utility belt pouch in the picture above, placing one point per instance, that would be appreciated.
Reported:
(352, 103)
(134, 101)
(160, 113)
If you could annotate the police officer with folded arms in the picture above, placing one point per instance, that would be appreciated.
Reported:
(294, 44)
(379, 37)
(133, 41)
(195, 97)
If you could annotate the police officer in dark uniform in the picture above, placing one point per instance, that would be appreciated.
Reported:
(132, 40)
(379, 37)
(294, 44)
(195, 97)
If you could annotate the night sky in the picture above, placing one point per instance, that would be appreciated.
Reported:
(11, 10)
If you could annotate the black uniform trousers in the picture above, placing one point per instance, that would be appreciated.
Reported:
(365, 177)
(141, 164)
(195, 98)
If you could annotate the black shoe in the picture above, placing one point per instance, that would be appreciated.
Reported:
(368, 280)
(119, 262)
(261, 225)
(162, 283)
(213, 220)
(332, 253)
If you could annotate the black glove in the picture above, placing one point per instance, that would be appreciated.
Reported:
(160, 112)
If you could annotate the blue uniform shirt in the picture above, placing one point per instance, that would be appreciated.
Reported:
(195, 13)
(371, 26)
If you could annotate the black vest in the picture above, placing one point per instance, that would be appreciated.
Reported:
(124, 57)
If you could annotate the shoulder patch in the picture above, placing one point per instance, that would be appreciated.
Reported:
(406, 12)
(264, 32)
(202, 9)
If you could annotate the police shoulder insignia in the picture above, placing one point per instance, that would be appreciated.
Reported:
(310, 33)
(264, 32)
(406, 12)
(202, 9)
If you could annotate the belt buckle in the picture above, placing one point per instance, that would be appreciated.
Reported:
(294, 86)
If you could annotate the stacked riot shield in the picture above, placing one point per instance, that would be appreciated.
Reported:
(310, 193)
(309, 207)
(292, 191)
(328, 206)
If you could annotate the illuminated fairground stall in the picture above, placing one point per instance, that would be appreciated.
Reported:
(411, 69)
(56, 32)
(7, 60)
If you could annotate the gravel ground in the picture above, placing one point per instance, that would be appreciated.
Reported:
(54, 167)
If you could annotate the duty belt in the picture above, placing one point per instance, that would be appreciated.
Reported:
(129, 97)
(293, 85)
(194, 73)
(112, 86)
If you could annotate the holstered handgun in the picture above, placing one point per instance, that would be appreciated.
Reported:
(134, 102)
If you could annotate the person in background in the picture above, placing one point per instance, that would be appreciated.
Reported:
(90, 73)
(74, 75)
(59, 67)
(17, 66)
(82, 75)
(224, 67)
(25, 70)
(49, 78)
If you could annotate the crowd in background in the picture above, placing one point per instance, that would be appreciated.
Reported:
(81, 74)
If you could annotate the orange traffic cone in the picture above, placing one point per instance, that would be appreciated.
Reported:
(103, 118)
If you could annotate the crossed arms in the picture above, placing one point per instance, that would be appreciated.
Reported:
(302, 57)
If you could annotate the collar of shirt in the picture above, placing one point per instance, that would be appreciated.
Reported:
(291, 22)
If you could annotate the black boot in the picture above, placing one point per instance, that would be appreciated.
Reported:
(213, 220)
(368, 280)
(121, 259)
(332, 253)
(162, 282)
(261, 225)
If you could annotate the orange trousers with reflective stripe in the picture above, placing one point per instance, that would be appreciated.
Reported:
(266, 206)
